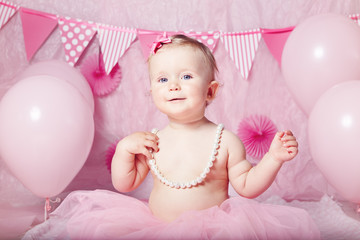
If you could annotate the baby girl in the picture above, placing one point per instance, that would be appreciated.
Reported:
(192, 161)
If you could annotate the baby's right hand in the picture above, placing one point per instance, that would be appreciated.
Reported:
(141, 143)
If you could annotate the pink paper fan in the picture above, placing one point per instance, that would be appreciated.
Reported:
(94, 71)
(256, 132)
(109, 155)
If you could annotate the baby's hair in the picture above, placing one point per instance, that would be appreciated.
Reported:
(182, 40)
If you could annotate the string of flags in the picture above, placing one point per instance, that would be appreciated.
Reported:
(77, 34)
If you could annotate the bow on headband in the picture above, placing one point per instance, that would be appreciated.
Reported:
(159, 42)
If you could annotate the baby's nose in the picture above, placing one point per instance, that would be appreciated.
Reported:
(174, 86)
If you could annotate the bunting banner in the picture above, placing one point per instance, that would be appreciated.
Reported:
(114, 41)
(242, 47)
(75, 37)
(36, 26)
(7, 10)
(275, 40)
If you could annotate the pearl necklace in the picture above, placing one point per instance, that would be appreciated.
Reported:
(197, 180)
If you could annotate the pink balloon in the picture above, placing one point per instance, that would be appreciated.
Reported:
(320, 52)
(64, 71)
(334, 136)
(46, 132)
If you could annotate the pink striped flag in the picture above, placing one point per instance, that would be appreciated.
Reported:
(75, 37)
(114, 41)
(7, 10)
(242, 47)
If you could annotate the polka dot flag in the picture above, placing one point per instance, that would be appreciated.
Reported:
(75, 37)
(209, 38)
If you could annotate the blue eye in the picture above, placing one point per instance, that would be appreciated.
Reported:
(163, 80)
(187, 77)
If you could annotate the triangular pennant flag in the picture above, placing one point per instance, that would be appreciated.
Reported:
(37, 26)
(75, 37)
(275, 40)
(114, 41)
(209, 39)
(147, 39)
(242, 47)
(7, 10)
(355, 18)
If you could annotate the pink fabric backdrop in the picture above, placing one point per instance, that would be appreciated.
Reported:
(130, 107)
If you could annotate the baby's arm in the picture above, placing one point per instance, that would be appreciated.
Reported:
(129, 167)
(251, 181)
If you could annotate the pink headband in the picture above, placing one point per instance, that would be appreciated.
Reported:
(159, 42)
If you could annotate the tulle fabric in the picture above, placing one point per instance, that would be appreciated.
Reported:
(104, 214)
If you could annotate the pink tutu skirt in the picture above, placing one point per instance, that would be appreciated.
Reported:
(102, 214)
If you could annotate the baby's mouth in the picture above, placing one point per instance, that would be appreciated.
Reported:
(176, 99)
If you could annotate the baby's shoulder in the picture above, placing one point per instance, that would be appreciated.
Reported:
(233, 146)
(230, 140)
(230, 136)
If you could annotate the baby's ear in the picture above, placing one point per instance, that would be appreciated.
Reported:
(212, 90)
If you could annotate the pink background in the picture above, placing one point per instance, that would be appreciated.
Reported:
(130, 108)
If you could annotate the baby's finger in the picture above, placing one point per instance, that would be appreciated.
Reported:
(144, 151)
(151, 136)
(288, 133)
(151, 145)
(292, 150)
(291, 143)
(287, 138)
(279, 135)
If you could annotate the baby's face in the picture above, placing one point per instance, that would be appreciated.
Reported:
(180, 80)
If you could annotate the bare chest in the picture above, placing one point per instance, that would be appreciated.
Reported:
(186, 162)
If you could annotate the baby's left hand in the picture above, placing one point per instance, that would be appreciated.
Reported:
(284, 146)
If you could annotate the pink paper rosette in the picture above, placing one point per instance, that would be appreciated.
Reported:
(101, 84)
(109, 155)
(256, 132)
